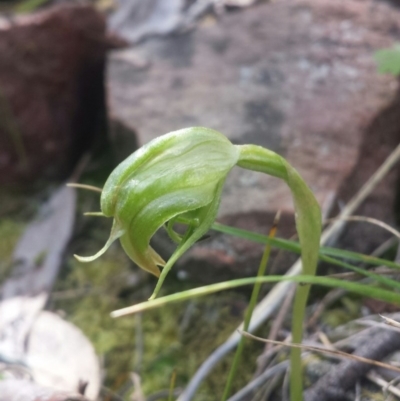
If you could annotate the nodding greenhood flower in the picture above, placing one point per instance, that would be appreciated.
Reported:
(179, 177)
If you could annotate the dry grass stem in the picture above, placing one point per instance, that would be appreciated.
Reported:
(336, 353)
(325, 340)
(386, 386)
(390, 322)
(278, 322)
(84, 186)
(369, 220)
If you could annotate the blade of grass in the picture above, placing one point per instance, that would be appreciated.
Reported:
(379, 278)
(253, 300)
(357, 288)
(294, 246)
(172, 386)
(323, 255)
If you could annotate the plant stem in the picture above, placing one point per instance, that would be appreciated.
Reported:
(308, 224)
(299, 307)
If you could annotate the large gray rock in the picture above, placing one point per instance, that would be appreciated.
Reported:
(297, 77)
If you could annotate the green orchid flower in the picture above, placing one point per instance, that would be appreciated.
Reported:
(179, 177)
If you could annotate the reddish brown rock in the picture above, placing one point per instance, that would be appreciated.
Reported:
(51, 90)
(298, 77)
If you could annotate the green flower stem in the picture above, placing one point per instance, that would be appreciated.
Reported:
(256, 158)
(299, 308)
(308, 223)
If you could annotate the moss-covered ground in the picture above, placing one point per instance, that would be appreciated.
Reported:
(175, 338)
(172, 340)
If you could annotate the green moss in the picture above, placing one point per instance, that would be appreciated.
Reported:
(176, 337)
(348, 310)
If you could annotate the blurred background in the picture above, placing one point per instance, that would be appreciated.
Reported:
(84, 84)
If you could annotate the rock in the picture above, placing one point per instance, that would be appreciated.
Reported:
(17, 390)
(297, 77)
(51, 90)
(135, 20)
(59, 364)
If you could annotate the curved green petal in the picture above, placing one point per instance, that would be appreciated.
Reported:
(193, 153)
(147, 260)
(154, 215)
(206, 217)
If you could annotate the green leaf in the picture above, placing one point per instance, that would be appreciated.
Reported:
(293, 246)
(389, 60)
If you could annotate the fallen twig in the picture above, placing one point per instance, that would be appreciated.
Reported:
(327, 350)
